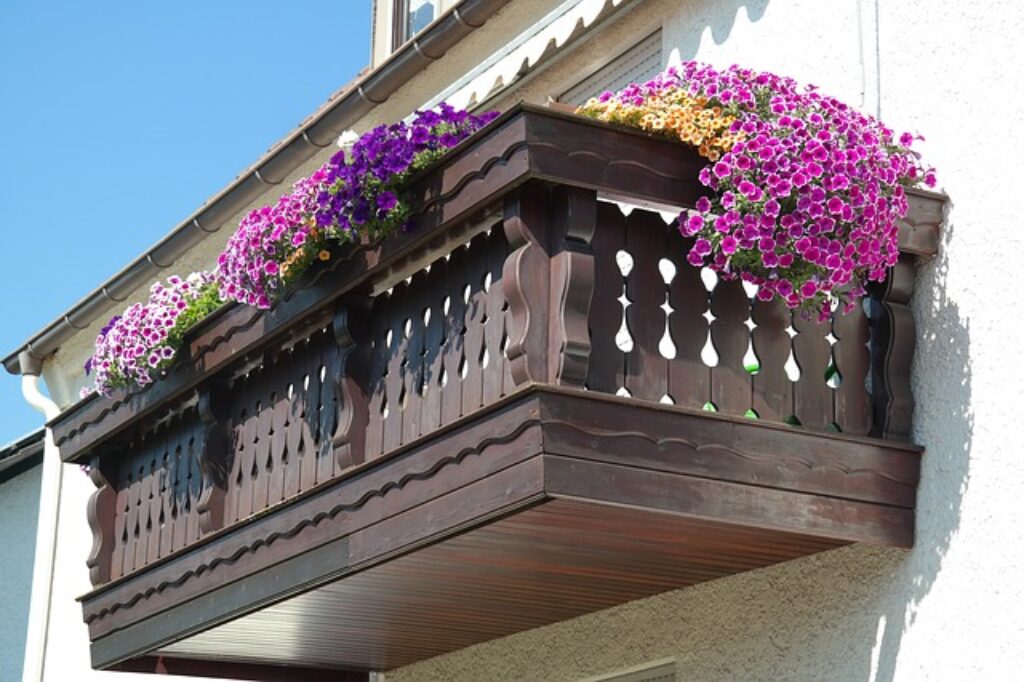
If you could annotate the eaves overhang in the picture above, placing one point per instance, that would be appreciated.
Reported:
(23, 451)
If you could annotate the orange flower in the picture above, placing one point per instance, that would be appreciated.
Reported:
(675, 112)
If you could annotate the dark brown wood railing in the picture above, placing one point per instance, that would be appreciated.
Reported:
(522, 273)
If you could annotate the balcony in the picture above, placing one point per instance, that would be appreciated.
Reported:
(528, 409)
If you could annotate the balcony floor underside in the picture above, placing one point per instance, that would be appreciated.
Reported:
(548, 563)
(548, 505)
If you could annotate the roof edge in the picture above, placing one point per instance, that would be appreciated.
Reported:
(315, 133)
(21, 450)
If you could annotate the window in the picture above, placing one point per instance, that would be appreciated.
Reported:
(411, 17)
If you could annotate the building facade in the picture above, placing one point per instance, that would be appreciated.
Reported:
(950, 607)
(19, 507)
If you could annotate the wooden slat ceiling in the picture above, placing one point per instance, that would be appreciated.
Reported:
(549, 563)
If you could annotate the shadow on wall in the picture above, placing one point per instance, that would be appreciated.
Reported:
(719, 18)
(944, 423)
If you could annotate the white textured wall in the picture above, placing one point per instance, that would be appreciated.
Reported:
(19, 509)
(953, 607)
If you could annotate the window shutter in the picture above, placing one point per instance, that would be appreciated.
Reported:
(639, 63)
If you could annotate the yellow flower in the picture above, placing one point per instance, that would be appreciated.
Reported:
(324, 254)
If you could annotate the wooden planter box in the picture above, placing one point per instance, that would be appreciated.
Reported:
(458, 433)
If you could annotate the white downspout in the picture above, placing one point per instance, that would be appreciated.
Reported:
(46, 528)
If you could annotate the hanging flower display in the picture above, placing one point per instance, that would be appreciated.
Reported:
(804, 191)
(135, 346)
(350, 196)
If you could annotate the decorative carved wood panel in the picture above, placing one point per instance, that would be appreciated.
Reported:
(158, 485)
(659, 335)
(438, 344)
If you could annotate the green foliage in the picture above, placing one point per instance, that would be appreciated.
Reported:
(195, 311)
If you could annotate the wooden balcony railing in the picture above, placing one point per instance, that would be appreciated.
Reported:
(525, 277)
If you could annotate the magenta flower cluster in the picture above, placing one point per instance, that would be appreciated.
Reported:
(249, 270)
(350, 196)
(134, 346)
(805, 204)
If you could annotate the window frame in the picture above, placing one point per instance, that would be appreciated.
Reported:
(400, 22)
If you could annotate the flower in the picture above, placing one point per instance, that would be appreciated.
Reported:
(355, 193)
(805, 191)
(143, 339)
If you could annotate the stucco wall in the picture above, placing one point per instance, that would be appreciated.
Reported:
(19, 508)
(953, 607)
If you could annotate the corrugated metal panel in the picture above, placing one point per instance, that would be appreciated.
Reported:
(528, 52)
(638, 63)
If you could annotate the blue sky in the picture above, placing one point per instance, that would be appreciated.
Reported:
(117, 119)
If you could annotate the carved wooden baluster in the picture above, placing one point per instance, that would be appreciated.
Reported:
(396, 355)
(892, 353)
(606, 370)
(264, 424)
(167, 491)
(476, 314)
(241, 483)
(494, 331)
(379, 320)
(122, 485)
(146, 476)
(101, 514)
(310, 361)
(812, 398)
(157, 548)
(133, 478)
(730, 382)
(853, 361)
(689, 379)
(646, 368)
(454, 337)
(290, 404)
(328, 406)
(433, 360)
(350, 381)
(773, 391)
(279, 407)
(194, 485)
(214, 454)
(179, 491)
(525, 278)
(572, 283)
(412, 379)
